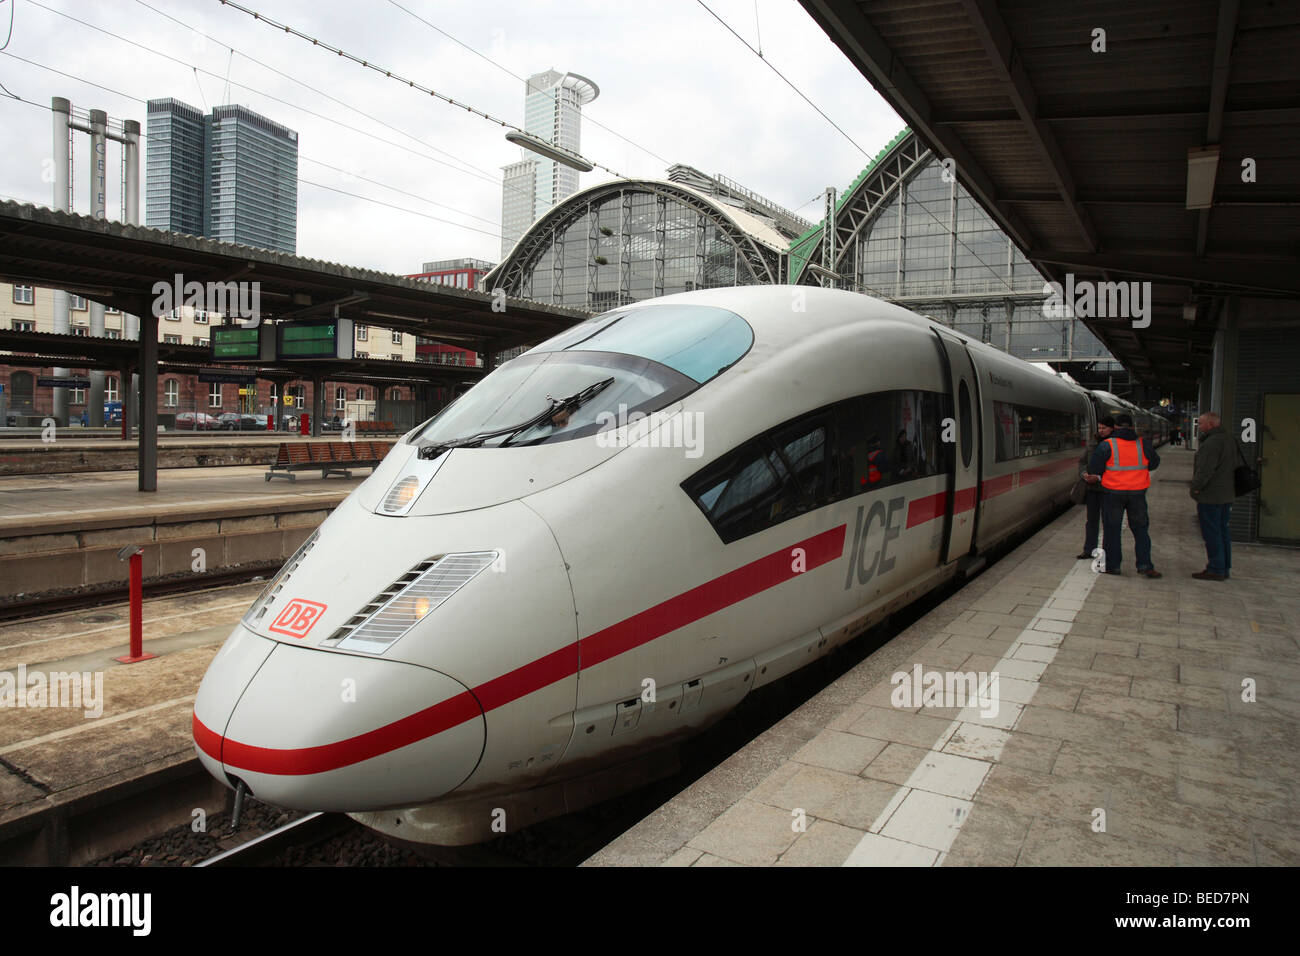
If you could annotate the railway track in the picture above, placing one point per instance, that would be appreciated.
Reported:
(313, 828)
(57, 603)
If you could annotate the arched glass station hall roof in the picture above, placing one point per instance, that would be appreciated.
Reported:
(904, 230)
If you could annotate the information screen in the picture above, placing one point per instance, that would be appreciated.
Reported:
(235, 343)
(308, 341)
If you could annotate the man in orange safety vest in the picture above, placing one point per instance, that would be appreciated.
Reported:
(1123, 464)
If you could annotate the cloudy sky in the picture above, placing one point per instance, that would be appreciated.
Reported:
(673, 81)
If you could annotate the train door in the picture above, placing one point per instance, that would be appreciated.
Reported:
(964, 482)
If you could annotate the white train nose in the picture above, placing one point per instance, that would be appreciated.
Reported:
(318, 730)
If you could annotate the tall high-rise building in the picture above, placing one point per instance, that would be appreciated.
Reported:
(174, 171)
(553, 105)
(231, 175)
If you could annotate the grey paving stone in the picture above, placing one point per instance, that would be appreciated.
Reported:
(1180, 655)
(1049, 722)
(836, 750)
(683, 857)
(1263, 799)
(1155, 689)
(1135, 667)
(1275, 844)
(752, 834)
(708, 859)
(1106, 765)
(1084, 677)
(1051, 844)
(1100, 645)
(918, 730)
(831, 795)
(1131, 710)
(992, 836)
(825, 844)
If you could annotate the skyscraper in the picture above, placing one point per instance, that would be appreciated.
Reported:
(174, 177)
(553, 105)
(232, 175)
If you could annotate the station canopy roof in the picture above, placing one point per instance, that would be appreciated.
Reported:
(1081, 152)
(118, 265)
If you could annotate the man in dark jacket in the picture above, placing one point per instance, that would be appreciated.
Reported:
(1213, 490)
(1123, 464)
(1094, 496)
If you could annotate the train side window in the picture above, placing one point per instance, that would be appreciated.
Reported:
(745, 491)
(963, 410)
(803, 447)
(917, 450)
(867, 426)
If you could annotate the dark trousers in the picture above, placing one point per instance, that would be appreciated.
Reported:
(1090, 528)
(1113, 509)
(1218, 543)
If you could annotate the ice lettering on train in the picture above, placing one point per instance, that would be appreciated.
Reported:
(890, 528)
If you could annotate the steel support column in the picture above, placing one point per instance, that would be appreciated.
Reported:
(148, 446)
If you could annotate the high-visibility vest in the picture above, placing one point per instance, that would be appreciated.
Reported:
(873, 473)
(1127, 468)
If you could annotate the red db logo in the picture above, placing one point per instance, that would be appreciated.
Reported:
(298, 617)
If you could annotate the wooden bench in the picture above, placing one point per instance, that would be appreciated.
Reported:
(369, 427)
(331, 457)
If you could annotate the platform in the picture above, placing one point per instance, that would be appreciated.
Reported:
(1121, 736)
(71, 452)
(62, 532)
(133, 726)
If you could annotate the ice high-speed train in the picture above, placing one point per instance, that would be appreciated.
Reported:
(608, 542)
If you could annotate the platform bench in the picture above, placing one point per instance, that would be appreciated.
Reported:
(330, 457)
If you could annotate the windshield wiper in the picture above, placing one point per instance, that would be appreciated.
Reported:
(564, 405)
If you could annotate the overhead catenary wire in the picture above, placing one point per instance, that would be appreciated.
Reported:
(407, 82)
(587, 118)
(831, 225)
(307, 182)
(471, 171)
(787, 82)
(486, 177)
(314, 89)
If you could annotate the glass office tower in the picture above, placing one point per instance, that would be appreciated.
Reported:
(553, 105)
(231, 175)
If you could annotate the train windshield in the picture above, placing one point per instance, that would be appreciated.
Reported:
(654, 355)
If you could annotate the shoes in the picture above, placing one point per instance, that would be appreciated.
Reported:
(1208, 576)
(1111, 572)
(1083, 557)
(1151, 573)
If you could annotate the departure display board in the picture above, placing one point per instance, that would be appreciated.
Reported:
(234, 343)
(315, 340)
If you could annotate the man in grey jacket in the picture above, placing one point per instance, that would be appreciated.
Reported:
(1213, 490)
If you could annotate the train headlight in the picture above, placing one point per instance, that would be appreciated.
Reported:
(408, 600)
(401, 495)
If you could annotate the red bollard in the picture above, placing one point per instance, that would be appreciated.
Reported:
(137, 608)
(304, 423)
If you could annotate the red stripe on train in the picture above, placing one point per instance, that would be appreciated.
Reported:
(677, 612)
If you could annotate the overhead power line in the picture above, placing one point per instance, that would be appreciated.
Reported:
(758, 54)
(471, 171)
(405, 81)
(307, 182)
(307, 86)
(587, 118)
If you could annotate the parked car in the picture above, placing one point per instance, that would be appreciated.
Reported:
(197, 421)
(243, 422)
